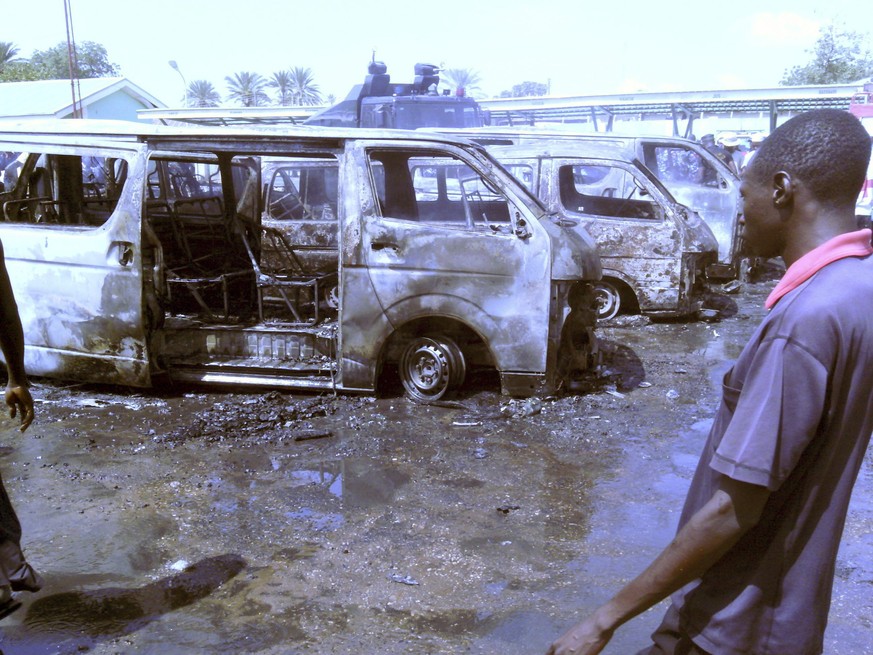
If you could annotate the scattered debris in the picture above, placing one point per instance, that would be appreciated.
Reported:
(708, 314)
(523, 408)
(672, 394)
(306, 435)
(506, 509)
(732, 287)
(270, 416)
(644, 385)
(613, 392)
(630, 320)
(448, 404)
(403, 579)
(480, 453)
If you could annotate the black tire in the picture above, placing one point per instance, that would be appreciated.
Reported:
(431, 367)
(457, 362)
(608, 300)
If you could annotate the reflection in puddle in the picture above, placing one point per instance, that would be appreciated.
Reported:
(332, 481)
(318, 520)
(359, 483)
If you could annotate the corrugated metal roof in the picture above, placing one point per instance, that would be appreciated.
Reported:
(46, 98)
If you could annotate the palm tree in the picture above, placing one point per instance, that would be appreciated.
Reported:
(8, 52)
(282, 82)
(463, 78)
(303, 89)
(202, 94)
(247, 89)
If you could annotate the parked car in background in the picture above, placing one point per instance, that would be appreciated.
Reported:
(653, 250)
(694, 176)
(865, 198)
(142, 252)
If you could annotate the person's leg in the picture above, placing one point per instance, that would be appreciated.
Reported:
(20, 574)
(14, 569)
(10, 527)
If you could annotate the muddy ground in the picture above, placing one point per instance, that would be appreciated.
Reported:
(198, 522)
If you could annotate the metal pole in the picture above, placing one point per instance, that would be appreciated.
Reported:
(72, 61)
(175, 67)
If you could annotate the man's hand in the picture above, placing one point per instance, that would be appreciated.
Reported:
(584, 638)
(701, 542)
(20, 401)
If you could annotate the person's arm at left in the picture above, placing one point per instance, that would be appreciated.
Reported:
(709, 534)
(17, 395)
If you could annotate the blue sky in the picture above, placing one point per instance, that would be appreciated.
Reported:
(577, 46)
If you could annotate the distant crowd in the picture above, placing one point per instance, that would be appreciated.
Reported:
(736, 153)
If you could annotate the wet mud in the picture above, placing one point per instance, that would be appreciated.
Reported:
(193, 521)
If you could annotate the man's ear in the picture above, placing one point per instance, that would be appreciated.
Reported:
(783, 190)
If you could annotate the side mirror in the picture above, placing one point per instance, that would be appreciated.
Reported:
(641, 189)
(521, 230)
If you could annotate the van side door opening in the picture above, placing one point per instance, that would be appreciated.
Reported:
(241, 304)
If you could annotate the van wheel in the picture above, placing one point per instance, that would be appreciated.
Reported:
(430, 367)
(608, 300)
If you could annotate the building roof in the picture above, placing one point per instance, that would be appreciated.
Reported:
(54, 98)
(719, 101)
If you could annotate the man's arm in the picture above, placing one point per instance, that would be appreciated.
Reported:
(18, 397)
(709, 534)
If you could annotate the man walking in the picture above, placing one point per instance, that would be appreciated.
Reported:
(752, 565)
(15, 573)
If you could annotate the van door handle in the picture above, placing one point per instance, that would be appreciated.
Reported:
(124, 250)
(384, 245)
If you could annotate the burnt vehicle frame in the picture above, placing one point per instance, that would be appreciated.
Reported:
(654, 251)
(693, 175)
(139, 253)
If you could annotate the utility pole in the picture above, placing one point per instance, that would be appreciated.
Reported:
(73, 62)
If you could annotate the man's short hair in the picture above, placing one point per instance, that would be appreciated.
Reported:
(826, 149)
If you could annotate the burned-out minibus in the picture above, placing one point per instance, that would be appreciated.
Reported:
(653, 250)
(693, 175)
(139, 253)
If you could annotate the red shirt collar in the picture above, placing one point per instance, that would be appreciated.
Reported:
(850, 244)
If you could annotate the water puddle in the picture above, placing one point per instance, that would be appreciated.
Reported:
(76, 621)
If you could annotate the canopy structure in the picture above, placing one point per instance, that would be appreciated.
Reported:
(683, 107)
(680, 107)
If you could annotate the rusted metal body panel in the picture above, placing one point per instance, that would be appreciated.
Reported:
(314, 260)
(653, 250)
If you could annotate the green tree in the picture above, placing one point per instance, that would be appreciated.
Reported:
(202, 94)
(526, 90)
(247, 89)
(838, 57)
(304, 90)
(8, 52)
(92, 61)
(283, 83)
(462, 78)
(19, 71)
